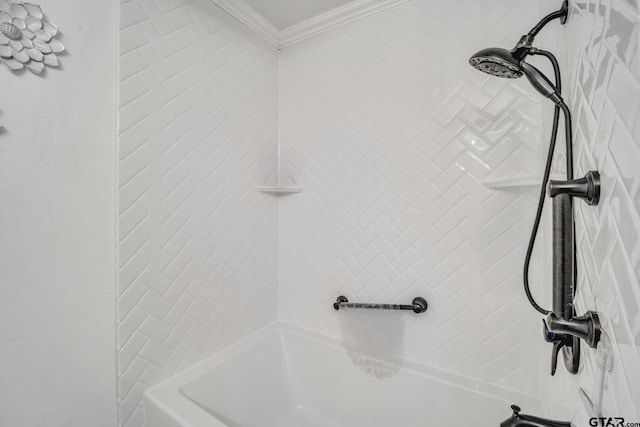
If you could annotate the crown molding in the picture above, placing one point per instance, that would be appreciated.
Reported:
(252, 19)
(334, 18)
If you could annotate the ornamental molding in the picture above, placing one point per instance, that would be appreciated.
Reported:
(252, 19)
(327, 21)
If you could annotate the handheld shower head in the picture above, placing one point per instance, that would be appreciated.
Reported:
(540, 82)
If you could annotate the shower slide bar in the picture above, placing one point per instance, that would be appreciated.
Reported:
(418, 305)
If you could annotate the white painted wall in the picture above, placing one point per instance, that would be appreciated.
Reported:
(197, 243)
(599, 49)
(57, 156)
(391, 133)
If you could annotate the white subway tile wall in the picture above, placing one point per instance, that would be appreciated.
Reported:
(600, 57)
(396, 132)
(197, 245)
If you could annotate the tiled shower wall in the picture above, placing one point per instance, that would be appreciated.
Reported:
(197, 244)
(599, 48)
(392, 134)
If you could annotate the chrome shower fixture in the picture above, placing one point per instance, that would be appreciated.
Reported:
(562, 326)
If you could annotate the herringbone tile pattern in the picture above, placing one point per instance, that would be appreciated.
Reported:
(197, 245)
(396, 133)
(599, 49)
(391, 133)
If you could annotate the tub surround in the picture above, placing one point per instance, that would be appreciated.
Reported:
(363, 125)
(391, 135)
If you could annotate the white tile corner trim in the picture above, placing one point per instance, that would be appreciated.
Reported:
(322, 23)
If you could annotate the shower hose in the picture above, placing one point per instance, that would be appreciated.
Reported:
(545, 179)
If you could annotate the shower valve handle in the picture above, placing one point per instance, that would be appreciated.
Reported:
(549, 336)
(586, 327)
(555, 351)
(558, 341)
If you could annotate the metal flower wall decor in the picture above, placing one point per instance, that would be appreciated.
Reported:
(26, 39)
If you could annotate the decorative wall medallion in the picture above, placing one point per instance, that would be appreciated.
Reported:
(26, 39)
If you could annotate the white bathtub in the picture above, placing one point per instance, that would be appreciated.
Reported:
(286, 377)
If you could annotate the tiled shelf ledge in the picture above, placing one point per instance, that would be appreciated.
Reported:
(513, 183)
(278, 190)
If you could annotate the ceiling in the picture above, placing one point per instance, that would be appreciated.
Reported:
(283, 14)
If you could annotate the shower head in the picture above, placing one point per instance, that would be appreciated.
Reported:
(510, 64)
(497, 62)
(504, 63)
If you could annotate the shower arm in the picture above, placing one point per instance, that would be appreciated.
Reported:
(562, 14)
(526, 41)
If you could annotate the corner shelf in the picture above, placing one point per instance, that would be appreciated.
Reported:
(513, 183)
(276, 190)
